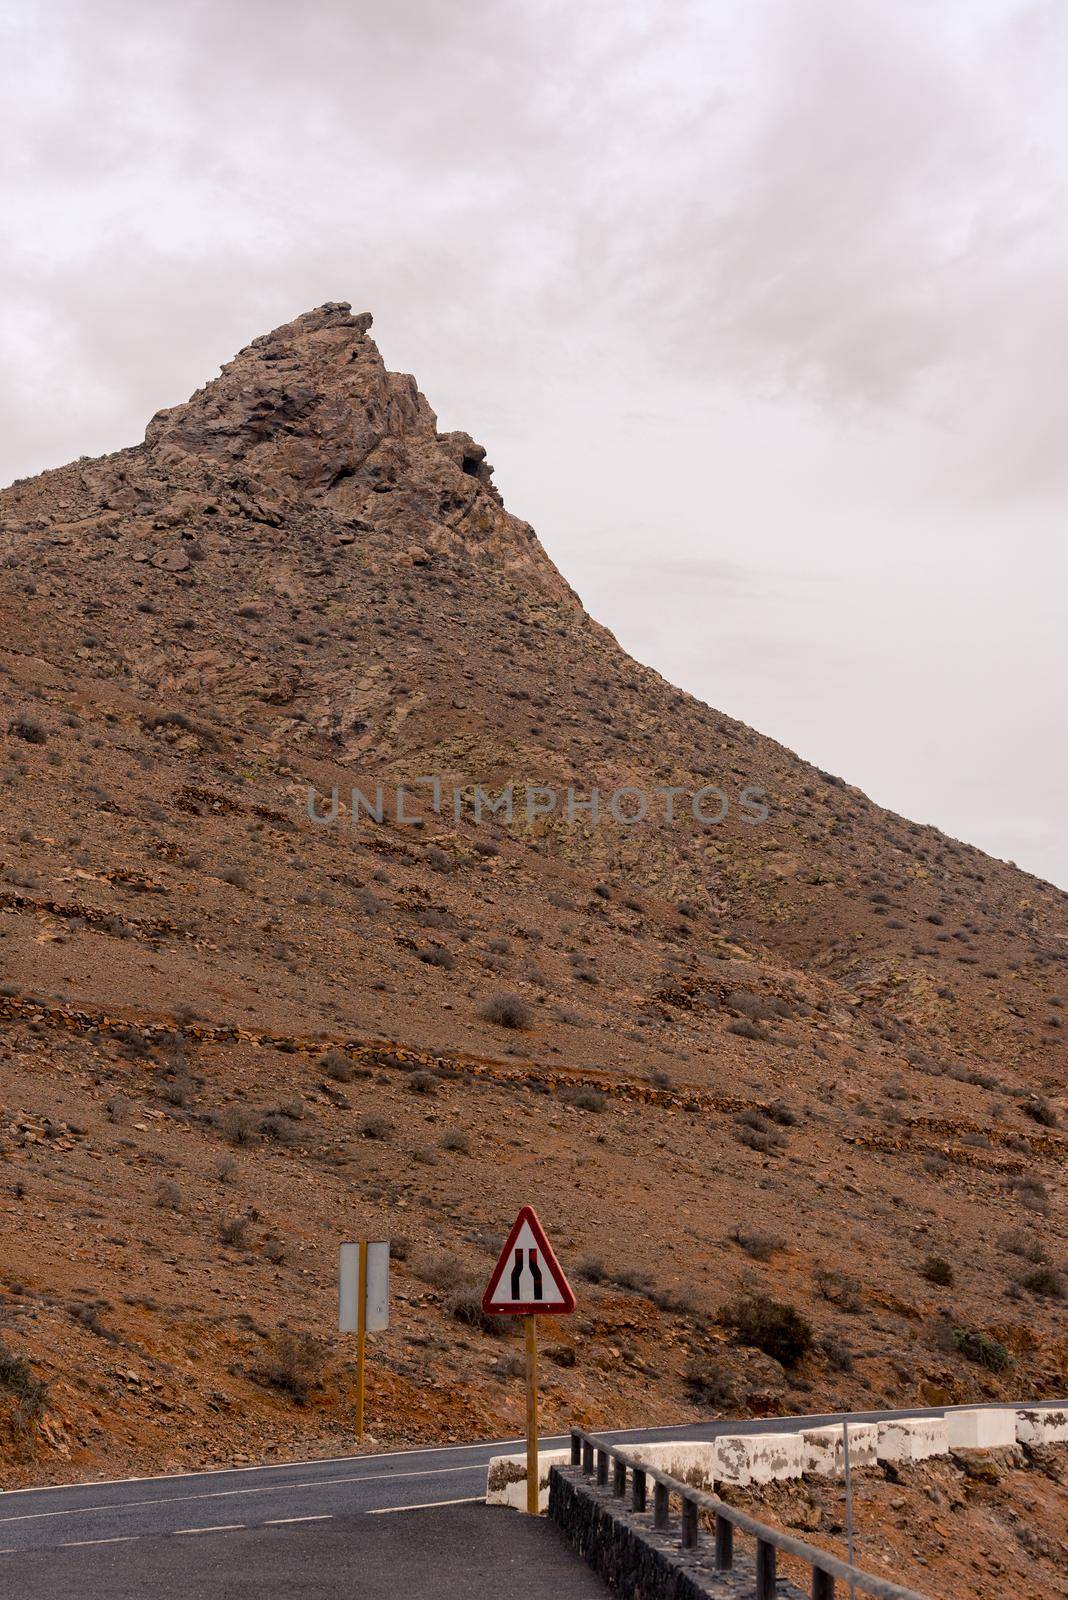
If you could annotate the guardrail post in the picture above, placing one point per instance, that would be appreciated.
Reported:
(765, 1570)
(637, 1489)
(602, 1468)
(619, 1475)
(724, 1544)
(660, 1504)
(822, 1584)
(689, 1522)
(587, 1457)
(576, 1447)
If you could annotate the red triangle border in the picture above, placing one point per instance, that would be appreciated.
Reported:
(528, 1215)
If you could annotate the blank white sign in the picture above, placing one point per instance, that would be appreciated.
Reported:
(376, 1299)
(348, 1288)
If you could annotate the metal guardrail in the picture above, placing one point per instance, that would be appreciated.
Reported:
(593, 1455)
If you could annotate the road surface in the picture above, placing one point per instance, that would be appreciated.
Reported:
(402, 1522)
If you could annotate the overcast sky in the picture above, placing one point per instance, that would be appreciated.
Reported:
(759, 310)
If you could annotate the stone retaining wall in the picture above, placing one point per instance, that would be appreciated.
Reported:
(634, 1558)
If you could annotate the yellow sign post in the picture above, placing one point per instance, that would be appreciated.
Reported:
(532, 1415)
(361, 1335)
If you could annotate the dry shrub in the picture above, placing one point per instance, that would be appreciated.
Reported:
(294, 1363)
(30, 1394)
(507, 1011)
(769, 1325)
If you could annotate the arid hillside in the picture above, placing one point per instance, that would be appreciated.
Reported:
(967, 1526)
(813, 1059)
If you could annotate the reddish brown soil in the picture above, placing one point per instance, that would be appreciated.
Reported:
(966, 1528)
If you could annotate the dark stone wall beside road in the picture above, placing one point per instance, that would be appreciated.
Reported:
(636, 1560)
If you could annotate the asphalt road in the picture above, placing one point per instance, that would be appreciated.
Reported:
(463, 1552)
(77, 1516)
(307, 1528)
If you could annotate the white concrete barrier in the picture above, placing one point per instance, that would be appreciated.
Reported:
(1048, 1425)
(823, 1449)
(692, 1461)
(506, 1479)
(981, 1428)
(743, 1458)
(740, 1459)
(912, 1439)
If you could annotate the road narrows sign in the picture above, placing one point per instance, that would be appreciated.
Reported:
(528, 1280)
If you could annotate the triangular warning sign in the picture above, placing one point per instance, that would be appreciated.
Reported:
(528, 1279)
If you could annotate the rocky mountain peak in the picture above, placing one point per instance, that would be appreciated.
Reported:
(307, 431)
(305, 405)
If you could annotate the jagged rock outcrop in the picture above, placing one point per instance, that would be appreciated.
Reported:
(305, 428)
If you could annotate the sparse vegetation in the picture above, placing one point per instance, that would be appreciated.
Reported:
(583, 1096)
(708, 1383)
(836, 1352)
(1031, 1192)
(840, 1288)
(937, 1270)
(295, 1363)
(234, 1232)
(761, 1246)
(982, 1348)
(466, 1306)
(169, 1195)
(29, 1393)
(436, 955)
(237, 1126)
(747, 1030)
(339, 1067)
(769, 1325)
(442, 1271)
(282, 1128)
(1022, 1244)
(1040, 1111)
(178, 1091)
(87, 1314)
(27, 728)
(374, 1127)
(753, 1129)
(1044, 1281)
(507, 1011)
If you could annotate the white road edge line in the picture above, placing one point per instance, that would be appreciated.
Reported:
(221, 1527)
(232, 1494)
(121, 1538)
(280, 1522)
(427, 1505)
(288, 1466)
